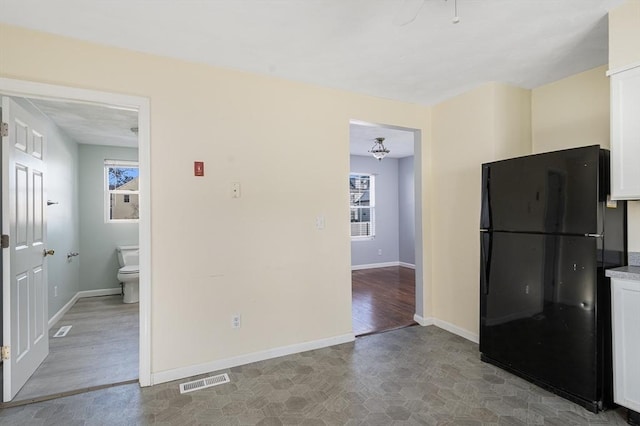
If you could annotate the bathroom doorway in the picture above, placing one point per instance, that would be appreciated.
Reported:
(95, 313)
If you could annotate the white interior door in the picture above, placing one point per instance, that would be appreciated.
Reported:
(25, 311)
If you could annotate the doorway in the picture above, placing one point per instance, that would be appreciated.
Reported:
(49, 93)
(386, 227)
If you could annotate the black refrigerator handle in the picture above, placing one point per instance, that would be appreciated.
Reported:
(485, 206)
(485, 261)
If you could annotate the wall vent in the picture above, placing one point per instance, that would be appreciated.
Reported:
(207, 382)
(63, 331)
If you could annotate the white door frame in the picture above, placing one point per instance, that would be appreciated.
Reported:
(29, 89)
(420, 314)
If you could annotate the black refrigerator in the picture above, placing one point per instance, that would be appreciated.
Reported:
(547, 235)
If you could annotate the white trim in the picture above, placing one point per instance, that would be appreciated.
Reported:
(422, 321)
(100, 292)
(80, 295)
(54, 319)
(208, 367)
(407, 265)
(456, 330)
(31, 89)
(623, 68)
(447, 326)
(371, 207)
(121, 163)
(374, 265)
(108, 192)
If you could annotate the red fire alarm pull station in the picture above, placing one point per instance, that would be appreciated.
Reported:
(198, 168)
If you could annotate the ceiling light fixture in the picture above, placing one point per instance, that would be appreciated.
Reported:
(378, 150)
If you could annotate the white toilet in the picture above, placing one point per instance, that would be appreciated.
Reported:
(129, 272)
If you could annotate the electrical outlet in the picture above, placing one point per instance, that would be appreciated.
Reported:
(236, 321)
(55, 291)
(379, 252)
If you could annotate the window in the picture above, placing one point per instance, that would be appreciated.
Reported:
(362, 203)
(122, 191)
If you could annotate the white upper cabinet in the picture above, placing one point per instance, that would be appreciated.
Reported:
(625, 133)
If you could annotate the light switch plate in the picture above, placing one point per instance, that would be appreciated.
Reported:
(235, 190)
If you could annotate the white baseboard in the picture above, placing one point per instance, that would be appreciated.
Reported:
(447, 326)
(54, 319)
(79, 295)
(194, 370)
(373, 265)
(422, 321)
(456, 330)
(100, 292)
(382, 265)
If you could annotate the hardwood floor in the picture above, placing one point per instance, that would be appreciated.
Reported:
(100, 349)
(383, 299)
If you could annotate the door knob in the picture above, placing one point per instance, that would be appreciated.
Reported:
(49, 252)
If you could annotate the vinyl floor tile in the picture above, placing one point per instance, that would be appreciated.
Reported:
(411, 376)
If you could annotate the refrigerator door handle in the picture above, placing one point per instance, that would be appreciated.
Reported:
(594, 235)
(485, 258)
(485, 206)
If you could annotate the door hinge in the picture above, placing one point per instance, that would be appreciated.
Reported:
(4, 241)
(4, 130)
(6, 352)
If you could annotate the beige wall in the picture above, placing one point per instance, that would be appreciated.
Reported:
(571, 112)
(624, 49)
(261, 255)
(575, 112)
(512, 121)
(624, 34)
(485, 124)
(213, 256)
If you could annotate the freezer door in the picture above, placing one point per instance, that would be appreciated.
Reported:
(556, 192)
(538, 308)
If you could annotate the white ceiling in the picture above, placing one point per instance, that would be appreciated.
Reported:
(406, 50)
(92, 124)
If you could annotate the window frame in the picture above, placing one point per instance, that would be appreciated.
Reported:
(370, 207)
(125, 164)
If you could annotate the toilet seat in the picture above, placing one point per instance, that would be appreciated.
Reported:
(129, 269)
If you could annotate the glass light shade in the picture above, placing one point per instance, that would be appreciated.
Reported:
(378, 149)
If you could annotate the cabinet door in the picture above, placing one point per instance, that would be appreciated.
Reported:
(625, 134)
(626, 343)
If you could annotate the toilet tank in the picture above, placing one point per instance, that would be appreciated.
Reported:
(128, 255)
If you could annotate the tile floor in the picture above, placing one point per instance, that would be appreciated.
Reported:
(412, 376)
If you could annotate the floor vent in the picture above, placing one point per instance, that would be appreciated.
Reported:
(63, 331)
(207, 382)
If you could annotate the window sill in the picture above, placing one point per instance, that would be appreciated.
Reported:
(363, 238)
